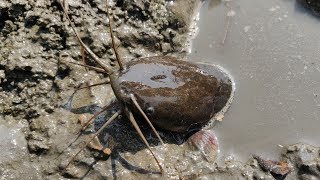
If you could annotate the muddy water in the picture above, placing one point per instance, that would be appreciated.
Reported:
(272, 50)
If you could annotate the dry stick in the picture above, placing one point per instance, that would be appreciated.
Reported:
(135, 125)
(114, 116)
(120, 62)
(134, 100)
(106, 67)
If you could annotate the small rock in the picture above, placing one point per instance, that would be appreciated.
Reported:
(166, 47)
(278, 169)
(37, 146)
(74, 172)
(305, 158)
(37, 143)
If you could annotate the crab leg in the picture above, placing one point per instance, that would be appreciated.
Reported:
(84, 65)
(113, 117)
(106, 67)
(92, 85)
(120, 62)
(87, 123)
(135, 125)
(83, 56)
(134, 100)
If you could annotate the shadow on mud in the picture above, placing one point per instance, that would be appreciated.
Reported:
(120, 135)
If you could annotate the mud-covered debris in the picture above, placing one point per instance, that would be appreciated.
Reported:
(75, 172)
(2, 75)
(181, 13)
(305, 158)
(82, 119)
(37, 143)
(278, 169)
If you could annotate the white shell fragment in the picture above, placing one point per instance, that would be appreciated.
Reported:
(206, 142)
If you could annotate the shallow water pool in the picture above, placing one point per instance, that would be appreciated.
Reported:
(272, 49)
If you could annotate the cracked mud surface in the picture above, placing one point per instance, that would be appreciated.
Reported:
(40, 108)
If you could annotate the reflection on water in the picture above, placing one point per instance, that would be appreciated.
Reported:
(272, 50)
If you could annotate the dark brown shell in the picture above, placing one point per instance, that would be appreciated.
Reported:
(176, 94)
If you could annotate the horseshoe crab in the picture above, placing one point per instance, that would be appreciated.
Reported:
(168, 92)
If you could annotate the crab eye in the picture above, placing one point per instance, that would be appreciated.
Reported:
(150, 110)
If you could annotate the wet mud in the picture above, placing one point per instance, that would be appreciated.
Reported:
(40, 106)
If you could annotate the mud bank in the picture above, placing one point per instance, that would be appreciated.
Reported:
(40, 108)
